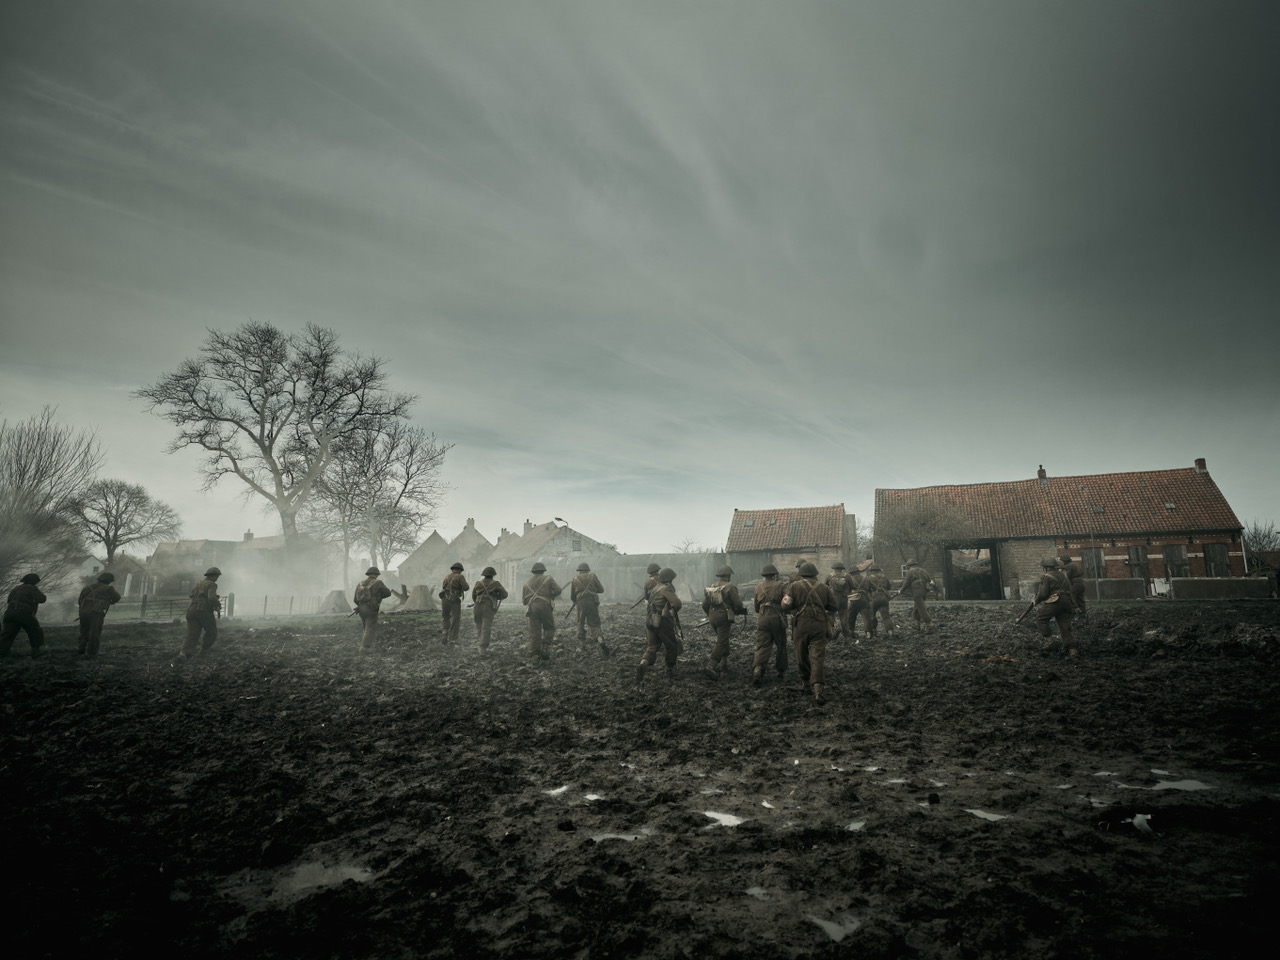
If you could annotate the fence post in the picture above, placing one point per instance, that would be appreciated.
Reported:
(264, 606)
(142, 613)
(231, 605)
(291, 606)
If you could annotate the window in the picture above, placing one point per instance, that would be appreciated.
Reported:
(1138, 563)
(1216, 562)
(1175, 561)
(1095, 566)
(577, 546)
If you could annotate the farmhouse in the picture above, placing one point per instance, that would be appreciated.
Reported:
(785, 535)
(1150, 524)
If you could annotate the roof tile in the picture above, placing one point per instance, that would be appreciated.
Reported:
(786, 528)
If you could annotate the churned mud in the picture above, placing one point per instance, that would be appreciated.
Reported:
(966, 793)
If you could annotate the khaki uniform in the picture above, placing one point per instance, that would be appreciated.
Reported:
(94, 601)
(20, 614)
(877, 586)
(486, 596)
(368, 597)
(1075, 574)
(917, 583)
(201, 617)
(841, 585)
(585, 590)
(814, 608)
(660, 626)
(1054, 597)
(771, 629)
(721, 603)
(539, 592)
(455, 587)
(860, 606)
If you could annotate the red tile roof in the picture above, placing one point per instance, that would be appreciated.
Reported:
(1148, 501)
(786, 528)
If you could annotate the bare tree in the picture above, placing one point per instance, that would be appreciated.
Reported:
(271, 409)
(381, 489)
(917, 529)
(45, 467)
(115, 514)
(688, 545)
(1259, 537)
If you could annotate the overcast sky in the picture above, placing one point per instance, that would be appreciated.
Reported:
(648, 262)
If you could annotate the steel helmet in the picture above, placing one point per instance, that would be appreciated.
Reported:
(666, 575)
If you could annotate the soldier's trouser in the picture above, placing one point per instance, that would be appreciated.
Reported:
(723, 626)
(920, 613)
(1077, 595)
(664, 637)
(811, 649)
(588, 620)
(842, 617)
(91, 632)
(881, 607)
(1059, 610)
(862, 609)
(484, 625)
(771, 635)
(369, 621)
(542, 628)
(451, 618)
(13, 622)
(200, 622)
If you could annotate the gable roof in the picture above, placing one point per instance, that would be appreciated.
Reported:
(786, 528)
(521, 547)
(1146, 501)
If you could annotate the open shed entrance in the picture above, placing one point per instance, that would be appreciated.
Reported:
(972, 571)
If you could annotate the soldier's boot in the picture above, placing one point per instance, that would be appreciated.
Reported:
(605, 652)
(37, 651)
(757, 677)
(709, 669)
(641, 671)
(817, 693)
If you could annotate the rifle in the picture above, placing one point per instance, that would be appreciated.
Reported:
(1031, 606)
(569, 611)
(637, 603)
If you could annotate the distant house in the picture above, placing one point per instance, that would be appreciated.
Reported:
(430, 563)
(785, 535)
(559, 547)
(84, 569)
(249, 565)
(420, 566)
(1147, 524)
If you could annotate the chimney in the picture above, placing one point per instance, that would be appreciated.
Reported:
(503, 533)
(248, 534)
(1040, 473)
(1200, 465)
(527, 526)
(471, 523)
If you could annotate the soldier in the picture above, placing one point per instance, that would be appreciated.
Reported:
(585, 591)
(662, 625)
(771, 629)
(1054, 597)
(201, 615)
(95, 599)
(652, 582)
(20, 614)
(486, 597)
(860, 606)
(918, 582)
(876, 584)
(812, 603)
(841, 585)
(454, 589)
(368, 597)
(1075, 574)
(721, 603)
(540, 592)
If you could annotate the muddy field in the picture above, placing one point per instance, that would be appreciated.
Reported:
(967, 793)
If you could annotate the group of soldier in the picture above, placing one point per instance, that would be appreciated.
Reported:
(817, 611)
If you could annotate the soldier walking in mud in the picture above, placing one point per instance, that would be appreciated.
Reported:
(1054, 598)
(455, 587)
(917, 583)
(540, 592)
(20, 614)
(1075, 575)
(771, 629)
(585, 592)
(662, 625)
(368, 597)
(860, 607)
(95, 599)
(721, 603)
(486, 596)
(877, 585)
(813, 606)
(841, 585)
(202, 614)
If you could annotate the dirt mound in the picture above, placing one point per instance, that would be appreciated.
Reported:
(971, 792)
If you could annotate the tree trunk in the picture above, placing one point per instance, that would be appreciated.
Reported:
(289, 527)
